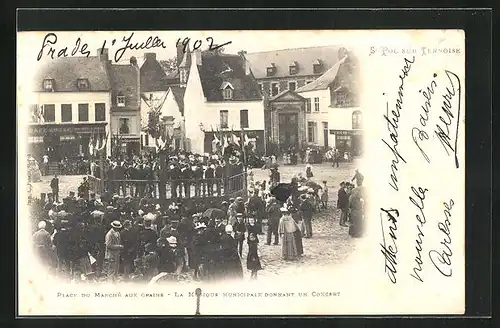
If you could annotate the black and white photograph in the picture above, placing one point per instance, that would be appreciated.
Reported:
(241, 164)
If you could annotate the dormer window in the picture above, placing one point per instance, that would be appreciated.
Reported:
(82, 84)
(293, 68)
(120, 100)
(271, 70)
(48, 84)
(317, 66)
(227, 90)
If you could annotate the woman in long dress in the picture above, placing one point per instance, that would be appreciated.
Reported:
(286, 229)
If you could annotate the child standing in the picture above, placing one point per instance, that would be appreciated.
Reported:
(324, 196)
(253, 261)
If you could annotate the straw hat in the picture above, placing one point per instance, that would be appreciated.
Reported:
(172, 240)
(200, 225)
(229, 228)
(116, 224)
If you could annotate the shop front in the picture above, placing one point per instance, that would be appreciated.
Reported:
(349, 141)
(63, 140)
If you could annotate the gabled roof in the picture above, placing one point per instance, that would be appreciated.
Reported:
(66, 71)
(305, 58)
(217, 68)
(178, 93)
(324, 81)
(153, 76)
(287, 95)
(125, 82)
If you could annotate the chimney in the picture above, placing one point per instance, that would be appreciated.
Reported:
(103, 54)
(180, 53)
(150, 56)
(246, 63)
(133, 61)
(197, 56)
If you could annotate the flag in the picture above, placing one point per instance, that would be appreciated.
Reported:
(91, 145)
(92, 259)
(235, 139)
(41, 119)
(247, 140)
(98, 142)
(216, 140)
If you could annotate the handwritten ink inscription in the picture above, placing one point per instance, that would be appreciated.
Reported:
(49, 48)
(393, 126)
(390, 248)
(441, 258)
(419, 194)
(419, 133)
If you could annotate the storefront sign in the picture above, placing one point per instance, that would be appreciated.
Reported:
(347, 132)
(34, 130)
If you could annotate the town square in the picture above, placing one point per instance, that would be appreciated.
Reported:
(208, 166)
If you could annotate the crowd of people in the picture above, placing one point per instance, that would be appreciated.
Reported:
(127, 233)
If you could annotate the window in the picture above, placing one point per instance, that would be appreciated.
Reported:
(357, 120)
(317, 68)
(66, 113)
(227, 93)
(244, 118)
(308, 105)
(292, 86)
(49, 113)
(316, 104)
(293, 69)
(274, 89)
(82, 84)
(261, 87)
(48, 84)
(146, 140)
(83, 112)
(224, 115)
(341, 99)
(270, 71)
(120, 100)
(100, 112)
(125, 126)
(311, 131)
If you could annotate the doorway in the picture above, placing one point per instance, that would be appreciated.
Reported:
(288, 131)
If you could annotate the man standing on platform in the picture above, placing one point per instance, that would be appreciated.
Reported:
(54, 185)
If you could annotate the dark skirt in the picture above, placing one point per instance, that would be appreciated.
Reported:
(357, 224)
(253, 262)
(298, 242)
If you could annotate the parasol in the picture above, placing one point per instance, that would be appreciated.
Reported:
(282, 191)
(213, 213)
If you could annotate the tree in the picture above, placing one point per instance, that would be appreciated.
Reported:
(169, 65)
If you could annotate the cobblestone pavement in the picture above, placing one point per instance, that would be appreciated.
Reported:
(330, 243)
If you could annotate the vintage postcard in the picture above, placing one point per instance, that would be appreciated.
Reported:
(241, 172)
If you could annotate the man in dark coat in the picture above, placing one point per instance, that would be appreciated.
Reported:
(219, 175)
(54, 185)
(197, 174)
(209, 178)
(273, 220)
(343, 204)
(129, 240)
(186, 174)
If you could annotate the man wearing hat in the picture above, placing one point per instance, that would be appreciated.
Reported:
(273, 220)
(343, 203)
(306, 207)
(113, 249)
(129, 239)
(42, 242)
(209, 180)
